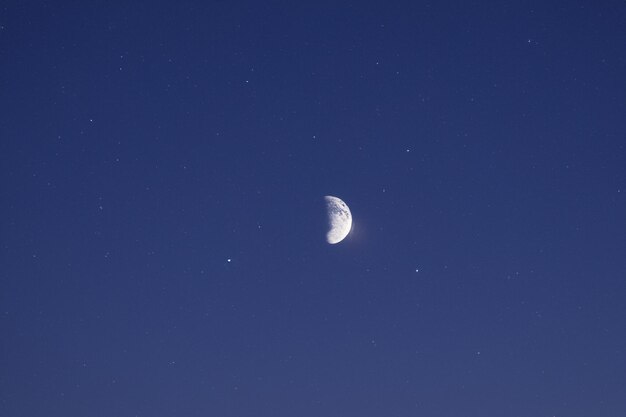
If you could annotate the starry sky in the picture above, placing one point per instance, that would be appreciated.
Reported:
(163, 167)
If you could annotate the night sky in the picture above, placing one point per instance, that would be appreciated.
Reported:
(163, 167)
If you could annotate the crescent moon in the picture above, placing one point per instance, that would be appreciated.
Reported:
(339, 219)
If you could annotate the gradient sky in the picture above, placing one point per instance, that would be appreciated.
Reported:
(162, 172)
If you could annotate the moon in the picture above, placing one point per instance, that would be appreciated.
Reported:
(339, 219)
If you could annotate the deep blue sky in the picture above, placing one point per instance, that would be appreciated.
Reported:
(482, 150)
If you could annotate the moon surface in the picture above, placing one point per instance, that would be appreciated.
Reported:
(339, 219)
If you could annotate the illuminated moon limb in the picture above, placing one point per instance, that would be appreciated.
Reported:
(339, 219)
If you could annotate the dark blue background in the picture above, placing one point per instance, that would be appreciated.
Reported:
(480, 146)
